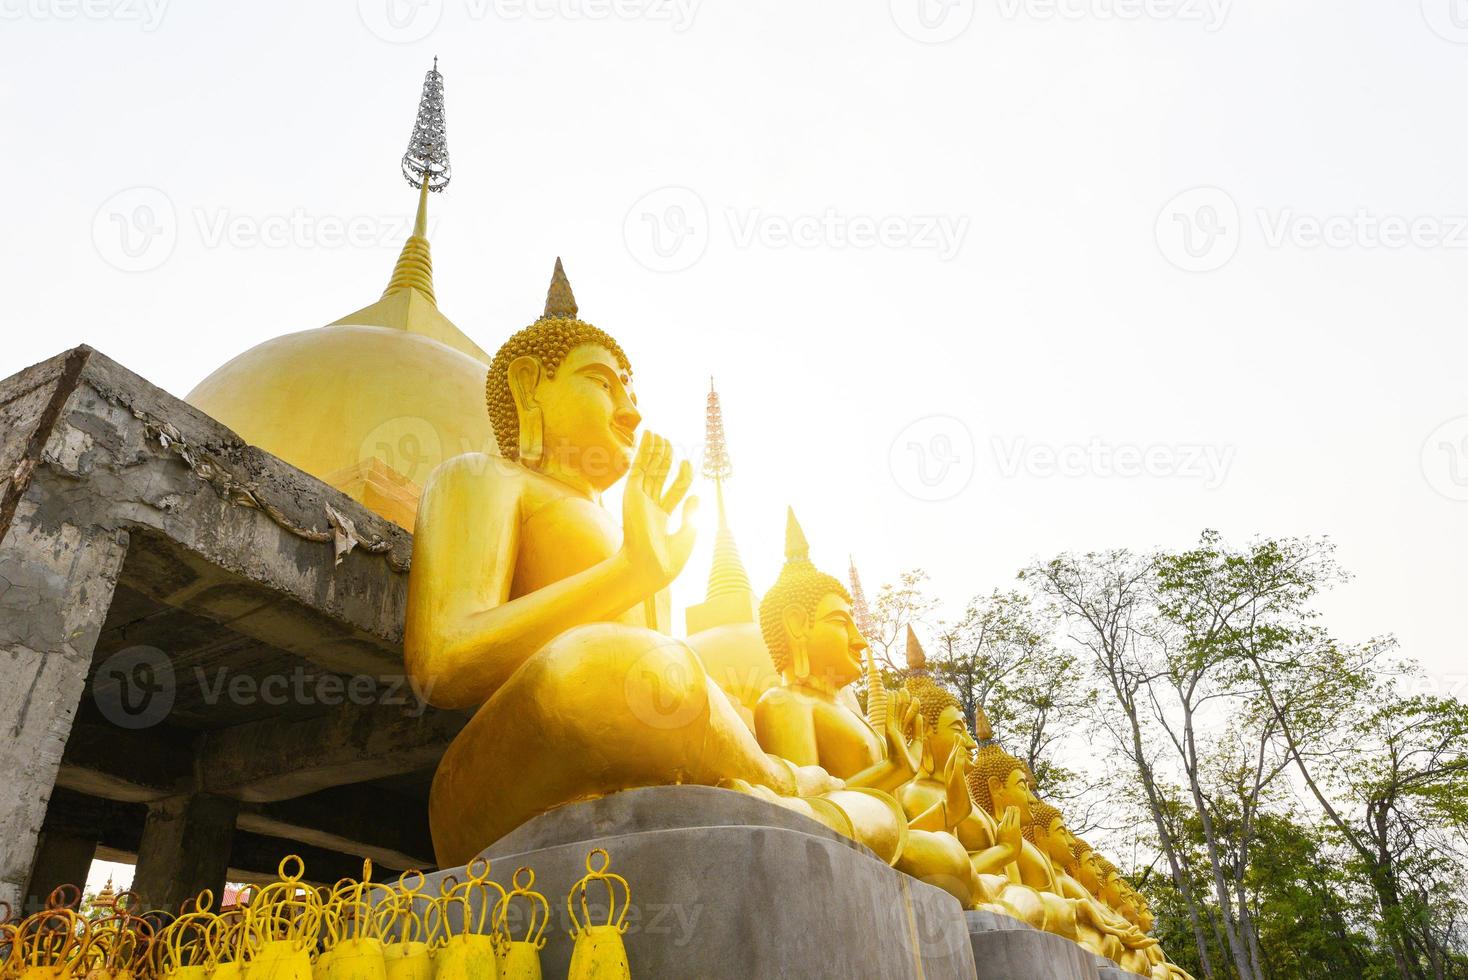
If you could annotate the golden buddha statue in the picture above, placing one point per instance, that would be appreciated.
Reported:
(529, 604)
(938, 796)
(817, 649)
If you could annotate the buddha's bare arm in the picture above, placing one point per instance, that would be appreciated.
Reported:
(464, 636)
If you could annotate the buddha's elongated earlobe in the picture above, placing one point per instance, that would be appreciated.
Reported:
(524, 375)
(532, 436)
(799, 658)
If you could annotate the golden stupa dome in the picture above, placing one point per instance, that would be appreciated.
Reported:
(373, 402)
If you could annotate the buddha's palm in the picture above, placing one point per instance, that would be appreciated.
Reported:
(958, 804)
(656, 553)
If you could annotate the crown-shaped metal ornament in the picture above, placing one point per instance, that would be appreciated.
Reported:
(427, 158)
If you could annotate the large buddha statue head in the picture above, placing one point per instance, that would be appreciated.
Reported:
(947, 727)
(560, 396)
(807, 622)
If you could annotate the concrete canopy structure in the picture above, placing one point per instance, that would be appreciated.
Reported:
(202, 651)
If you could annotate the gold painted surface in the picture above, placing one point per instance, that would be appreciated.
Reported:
(395, 382)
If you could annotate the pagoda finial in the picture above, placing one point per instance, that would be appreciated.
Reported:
(426, 167)
(796, 547)
(917, 660)
(559, 300)
(860, 611)
(427, 158)
(716, 464)
(727, 575)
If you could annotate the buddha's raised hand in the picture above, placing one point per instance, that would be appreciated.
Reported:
(653, 550)
(957, 803)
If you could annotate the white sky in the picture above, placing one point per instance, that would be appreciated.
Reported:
(1056, 142)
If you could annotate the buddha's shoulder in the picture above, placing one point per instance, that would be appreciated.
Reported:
(477, 472)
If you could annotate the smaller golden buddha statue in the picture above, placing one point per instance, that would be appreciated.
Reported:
(817, 649)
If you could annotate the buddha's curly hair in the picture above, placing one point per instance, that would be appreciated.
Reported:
(931, 697)
(990, 760)
(549, 340)
(1042, 814)
(800, 584)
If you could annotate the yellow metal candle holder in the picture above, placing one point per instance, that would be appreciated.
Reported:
(520, 958)
(469, 952)
(184, 944)
(406, 945)
(282, 923)
(352, 934)
(53, 944)
(599, 953)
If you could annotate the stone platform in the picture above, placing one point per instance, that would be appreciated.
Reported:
(725, 885)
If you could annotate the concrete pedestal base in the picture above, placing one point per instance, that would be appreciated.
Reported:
(1008, 949)
(725, 885)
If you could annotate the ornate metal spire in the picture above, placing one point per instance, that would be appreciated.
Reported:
(427, 159)
(860, 611)
(716, 465)
(727, 575)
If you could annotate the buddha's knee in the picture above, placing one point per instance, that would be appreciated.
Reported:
(939, 859)
(620, 682)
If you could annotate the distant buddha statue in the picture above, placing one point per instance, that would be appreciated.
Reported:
(528, 604)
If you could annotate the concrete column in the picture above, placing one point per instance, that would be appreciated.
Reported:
(63, 857)
(56, 584)
(185, 849)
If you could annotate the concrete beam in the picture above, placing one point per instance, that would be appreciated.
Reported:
(130, 766)
(363, 821)
(272, 760)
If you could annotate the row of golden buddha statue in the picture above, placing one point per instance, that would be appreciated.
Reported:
(358, 929)
(529, 606)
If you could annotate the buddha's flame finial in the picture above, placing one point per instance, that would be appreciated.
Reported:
(559, 300)
(796, 547)
(917, 660)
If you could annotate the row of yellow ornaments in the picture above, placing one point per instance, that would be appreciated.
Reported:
(356, 930)
(528, 604)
